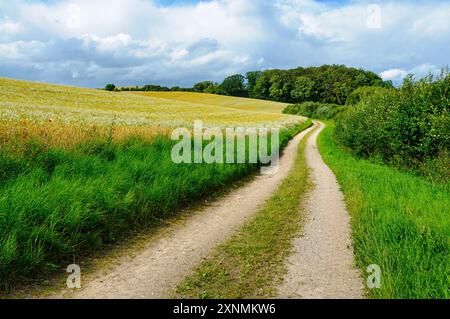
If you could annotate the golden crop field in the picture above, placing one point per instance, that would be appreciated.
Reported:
(39, 102)
(66, 115)
(220, 100)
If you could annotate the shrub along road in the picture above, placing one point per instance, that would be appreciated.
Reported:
(156, 269)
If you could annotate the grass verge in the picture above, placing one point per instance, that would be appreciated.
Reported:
(400, 222)
(250, 264)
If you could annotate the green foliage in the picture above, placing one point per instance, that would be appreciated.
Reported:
(303, 88)
(409, 127)
(362, 93)
(325, 84)
(150, 88)
(58, 203)
(315, 110)
(215, 89)
(203, 86)
(279, 88)
(234, 85)
(207, 87)
(110, 87)
(400, 222)
(252, 77)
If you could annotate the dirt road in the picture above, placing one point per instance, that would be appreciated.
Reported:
(322, 263)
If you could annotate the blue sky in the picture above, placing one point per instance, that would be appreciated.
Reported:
(134, 42)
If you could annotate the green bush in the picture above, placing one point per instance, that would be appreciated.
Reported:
(363, 92)
(408, 127)
(315, 110)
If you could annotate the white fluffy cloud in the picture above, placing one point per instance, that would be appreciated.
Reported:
(394, 74)
(8, 26)
(132, 42)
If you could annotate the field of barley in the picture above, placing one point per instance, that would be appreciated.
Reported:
(220, 100)
(43, 102)
(61, 115)
(82, 168)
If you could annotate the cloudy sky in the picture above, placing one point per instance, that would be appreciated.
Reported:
(135, 42)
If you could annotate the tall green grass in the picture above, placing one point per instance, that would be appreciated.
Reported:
(400, 222)
(58, 203)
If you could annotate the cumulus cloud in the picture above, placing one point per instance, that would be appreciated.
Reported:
(8, 26)
(394, 74)
(134, 42)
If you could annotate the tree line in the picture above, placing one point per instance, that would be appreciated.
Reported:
(324, 84)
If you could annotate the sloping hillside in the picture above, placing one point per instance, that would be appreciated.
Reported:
(44, 102)
(220, 100)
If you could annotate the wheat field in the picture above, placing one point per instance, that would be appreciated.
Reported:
(242, 104)
(39, 102)
(64, 116)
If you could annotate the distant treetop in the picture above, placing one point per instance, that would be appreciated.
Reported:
(110, 87)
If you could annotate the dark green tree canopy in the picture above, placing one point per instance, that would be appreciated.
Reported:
(234, 85)
(303, 89)
(110, 87)
(325, 84)
(252, 78)
(203, 86)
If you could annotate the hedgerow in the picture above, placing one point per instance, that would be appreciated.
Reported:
(408, 127)
(315, 110)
